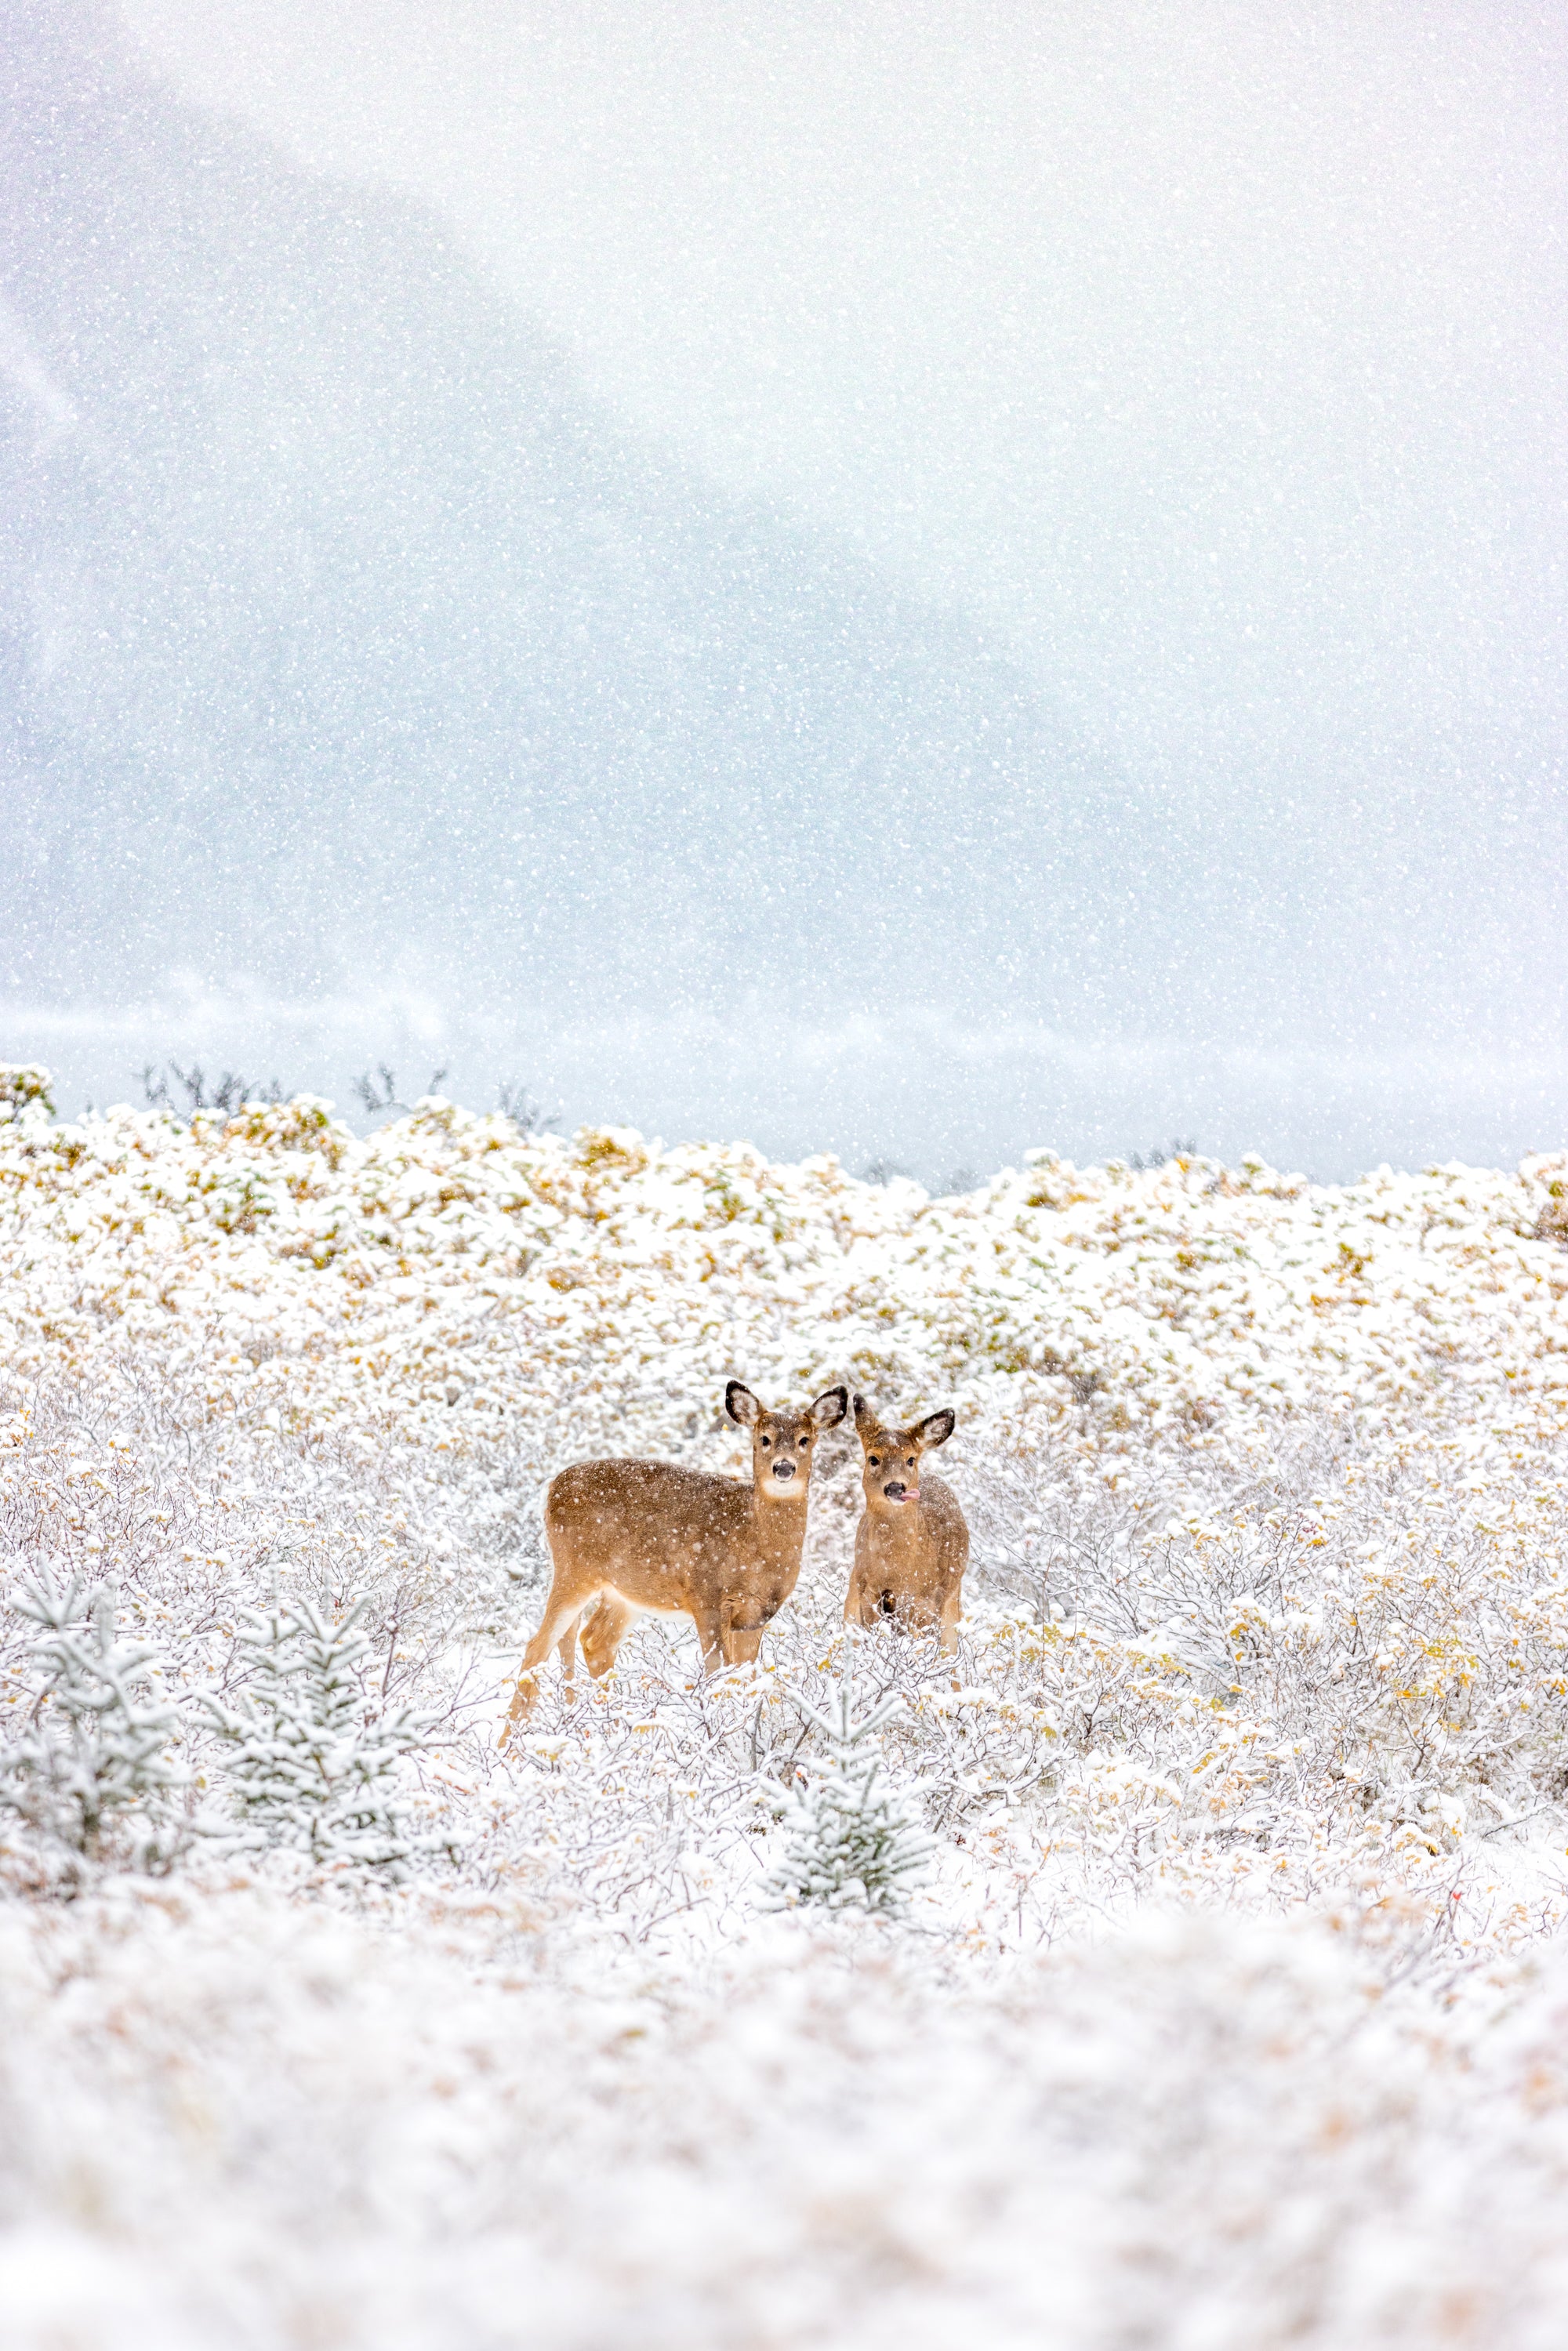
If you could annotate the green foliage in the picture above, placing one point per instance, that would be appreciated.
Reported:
(851, 1842)
(309, 1762)
(92, 1773)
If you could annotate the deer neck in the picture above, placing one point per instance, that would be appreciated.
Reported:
(899, 1529)
(778, 1524)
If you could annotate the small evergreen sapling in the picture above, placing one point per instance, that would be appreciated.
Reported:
(92, 1771)
(308, 1765)
(851, 1840)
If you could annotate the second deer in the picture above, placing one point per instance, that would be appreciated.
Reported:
(912, 1545)
(627, 1537)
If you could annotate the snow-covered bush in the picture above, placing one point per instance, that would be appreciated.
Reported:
(92, 1774)
(25, 1092)
(852, 1840)
(1233, 1988)
(308, 1760)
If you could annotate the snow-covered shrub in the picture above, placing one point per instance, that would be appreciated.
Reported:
(92, 1774)
(1254, 1751)
(308, 1760)
(1551, 1225)
(25, 1088)
(852, 1840)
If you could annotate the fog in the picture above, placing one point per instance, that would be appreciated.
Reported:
(913, 581)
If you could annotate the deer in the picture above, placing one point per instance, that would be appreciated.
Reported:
(630, 1537)
(912, 1545)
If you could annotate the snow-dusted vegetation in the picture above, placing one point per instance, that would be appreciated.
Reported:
(1225, 2006)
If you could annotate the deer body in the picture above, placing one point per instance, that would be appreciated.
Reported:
(912, 1545)
(628, 1538)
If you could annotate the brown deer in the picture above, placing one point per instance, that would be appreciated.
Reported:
(912, 1545)
(626, 1537)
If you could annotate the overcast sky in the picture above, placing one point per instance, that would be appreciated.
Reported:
(1214, 353)
(1204, 363)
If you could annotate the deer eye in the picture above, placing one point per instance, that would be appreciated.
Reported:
(910, 1463)
(804, 1442)
(875, 1462)
(766, 1443)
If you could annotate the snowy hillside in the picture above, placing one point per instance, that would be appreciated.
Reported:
(1230, 2011)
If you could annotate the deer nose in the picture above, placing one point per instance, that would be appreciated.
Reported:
(783, 1468)
(893, 1490)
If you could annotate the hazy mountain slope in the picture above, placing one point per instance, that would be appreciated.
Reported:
(338, 633)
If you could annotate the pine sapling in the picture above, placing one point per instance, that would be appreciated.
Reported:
(92, 1771)
(851, 1840)
(309, 1764)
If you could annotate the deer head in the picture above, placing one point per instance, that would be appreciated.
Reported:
(783, 1443)
(889, 1467)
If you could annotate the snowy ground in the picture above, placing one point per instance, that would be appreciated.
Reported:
(1233, 2011)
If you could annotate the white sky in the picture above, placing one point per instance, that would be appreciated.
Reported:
(1214, 353)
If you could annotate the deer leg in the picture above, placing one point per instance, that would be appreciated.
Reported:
(868, 1601)
(561, 1616)
(741, 1643)
(710, 1633)
(603, 1630)
(862, 1606)
(951, 1609)
(566, 1649)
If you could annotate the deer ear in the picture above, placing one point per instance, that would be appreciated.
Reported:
(829, 1408)
(936, 1430)
(865, 1416)
(741, 1405)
